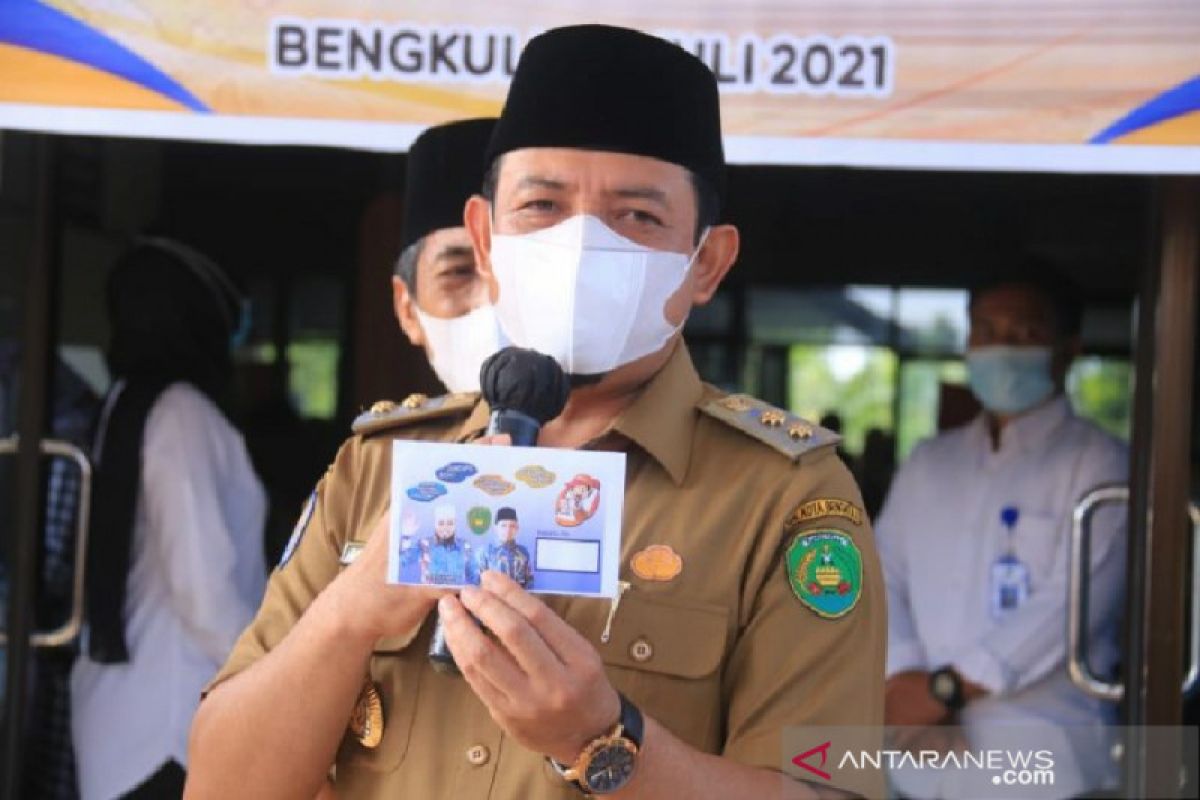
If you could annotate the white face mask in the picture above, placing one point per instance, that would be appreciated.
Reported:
(585, 295)
(458, 346)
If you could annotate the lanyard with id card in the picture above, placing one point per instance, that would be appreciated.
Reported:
(1010, 577)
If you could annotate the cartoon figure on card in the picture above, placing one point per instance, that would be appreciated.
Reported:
(578, 501)
(506, 555)
(444, 558)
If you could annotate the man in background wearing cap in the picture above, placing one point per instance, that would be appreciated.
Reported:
(755, 604)
(506, 556)
(439, 297)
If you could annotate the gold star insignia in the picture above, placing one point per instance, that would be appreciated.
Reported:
(414, 401)
(800, 431)
(736, 403)
(382, 406)
(773, 418)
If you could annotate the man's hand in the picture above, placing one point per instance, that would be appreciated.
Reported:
(907, 701)
(372, 608)
(542, 682)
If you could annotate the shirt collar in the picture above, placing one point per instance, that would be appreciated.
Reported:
(1032, 429)
(660, 419)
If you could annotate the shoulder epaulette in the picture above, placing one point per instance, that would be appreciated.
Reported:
(414, 408)
(774, 427)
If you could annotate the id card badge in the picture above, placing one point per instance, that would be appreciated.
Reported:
(1010, 586)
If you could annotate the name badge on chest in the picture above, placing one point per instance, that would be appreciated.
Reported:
(1009, 575)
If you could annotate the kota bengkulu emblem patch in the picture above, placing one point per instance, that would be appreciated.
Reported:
(824, 569)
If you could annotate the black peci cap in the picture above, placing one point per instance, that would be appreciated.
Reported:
(597, 87)
(445, 167)
(506, 513)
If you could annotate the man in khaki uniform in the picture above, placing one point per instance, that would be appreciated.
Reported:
(754, 600)
(438, 295)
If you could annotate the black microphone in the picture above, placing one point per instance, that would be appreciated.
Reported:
(525, 390)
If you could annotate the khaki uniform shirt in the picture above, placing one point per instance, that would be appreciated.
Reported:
(724, 653)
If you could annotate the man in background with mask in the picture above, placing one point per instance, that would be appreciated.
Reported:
(598, 231)
(975, 539)
(439, 297)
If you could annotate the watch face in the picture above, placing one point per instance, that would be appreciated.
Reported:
(943, 686)
(610, 769)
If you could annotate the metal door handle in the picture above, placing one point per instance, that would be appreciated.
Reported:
(1079, 581)
(69, 630)
(1078, 592)
(1189, 680)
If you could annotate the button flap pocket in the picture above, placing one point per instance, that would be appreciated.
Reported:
(660, 635)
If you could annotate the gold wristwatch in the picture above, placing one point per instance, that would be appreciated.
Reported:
(608, 762)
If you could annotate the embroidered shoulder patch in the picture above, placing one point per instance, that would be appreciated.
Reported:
(824, 569)
(310, 506)
(823, 507)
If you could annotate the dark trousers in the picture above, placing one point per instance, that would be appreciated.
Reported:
(166, 784)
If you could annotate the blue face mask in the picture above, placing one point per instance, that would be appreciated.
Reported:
(1010, 380)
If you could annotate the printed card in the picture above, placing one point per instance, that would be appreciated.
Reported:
(550, 519)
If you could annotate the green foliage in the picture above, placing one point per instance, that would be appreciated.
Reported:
(1101, 389)
(312, 380)
(920, 382)
(857, 383)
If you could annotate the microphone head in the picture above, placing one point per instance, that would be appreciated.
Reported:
(523, 380)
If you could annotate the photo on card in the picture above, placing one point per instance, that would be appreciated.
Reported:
(550, 519)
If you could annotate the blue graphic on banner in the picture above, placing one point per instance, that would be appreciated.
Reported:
(38, 27)
(1183, 99)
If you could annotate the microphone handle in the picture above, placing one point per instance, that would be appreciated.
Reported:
(520, 426)
(524, 432)
(440, 657)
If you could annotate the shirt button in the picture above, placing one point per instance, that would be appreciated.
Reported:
(641, 651)
(478, 755)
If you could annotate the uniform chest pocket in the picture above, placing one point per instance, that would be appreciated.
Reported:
(1038, 538)
(396, 679)
(666, 656)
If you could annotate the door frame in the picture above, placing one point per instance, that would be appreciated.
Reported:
(1159, 526)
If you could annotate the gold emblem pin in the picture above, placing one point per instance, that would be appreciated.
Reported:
(366, 723)
(773, 418)
(658, 562)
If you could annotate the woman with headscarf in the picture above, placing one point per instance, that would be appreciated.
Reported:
(175, 560)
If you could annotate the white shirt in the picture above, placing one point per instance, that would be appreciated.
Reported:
(939, 534)
(196, 578)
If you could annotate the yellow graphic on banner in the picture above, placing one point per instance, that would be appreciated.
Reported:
(53, 81)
